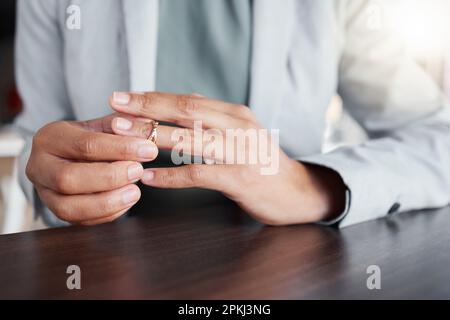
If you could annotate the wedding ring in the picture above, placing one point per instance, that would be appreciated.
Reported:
(154, 132)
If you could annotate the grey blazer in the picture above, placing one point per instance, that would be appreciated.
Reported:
(304, 51)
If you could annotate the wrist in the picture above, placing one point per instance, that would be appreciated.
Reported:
(326, 192)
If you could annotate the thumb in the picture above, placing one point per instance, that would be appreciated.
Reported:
(105, 124)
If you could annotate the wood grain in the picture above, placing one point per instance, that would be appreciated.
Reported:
(217, 252)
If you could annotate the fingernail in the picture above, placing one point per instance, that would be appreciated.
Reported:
(134, 172)
(123, 124)
(147, 151)
(121, 98)
(148, 176)
(130, 196)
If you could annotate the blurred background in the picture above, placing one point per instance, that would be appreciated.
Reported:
(15, 213)
(421, 24)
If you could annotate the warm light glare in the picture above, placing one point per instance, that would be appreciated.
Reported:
(422, 24)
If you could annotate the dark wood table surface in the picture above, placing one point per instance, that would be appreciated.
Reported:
(218, 252)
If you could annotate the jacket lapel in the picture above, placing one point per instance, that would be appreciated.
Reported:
(272, 28)
(141, 28)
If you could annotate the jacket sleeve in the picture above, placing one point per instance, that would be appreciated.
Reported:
(405, 164)
(40, 79)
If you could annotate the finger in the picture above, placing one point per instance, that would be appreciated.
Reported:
(133, 127)
(182, 110)
(216, 177)
(167, 135)
(103, 220)
(234, 110)
(70, 141)
(101, 124)
(193, 142)
(78, 208)
(105, 124)
(71, 178)
(198, 95)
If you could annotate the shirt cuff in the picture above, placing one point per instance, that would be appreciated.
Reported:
(369, 195)
(338, 219)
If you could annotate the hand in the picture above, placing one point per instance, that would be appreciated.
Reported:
(85, 174)
(295, 193)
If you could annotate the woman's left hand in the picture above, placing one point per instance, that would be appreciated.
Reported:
(243, 161)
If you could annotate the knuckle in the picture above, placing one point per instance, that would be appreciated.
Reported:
(127, 150)
(41, 136)
(112, 177)
(168, 178)
(61, 210)
(59, 206)
(85, 145)
(244, 111)
(64, 180)
(144, 101)
(48, 131)
(107, 205)
(29, 171)
(195, 174)
(38, 139)
(186, 106)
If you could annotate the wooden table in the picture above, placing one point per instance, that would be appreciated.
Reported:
(217, 252)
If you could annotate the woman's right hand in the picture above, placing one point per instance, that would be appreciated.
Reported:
(84, 173)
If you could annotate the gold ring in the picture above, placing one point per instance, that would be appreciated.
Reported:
(154, 133)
